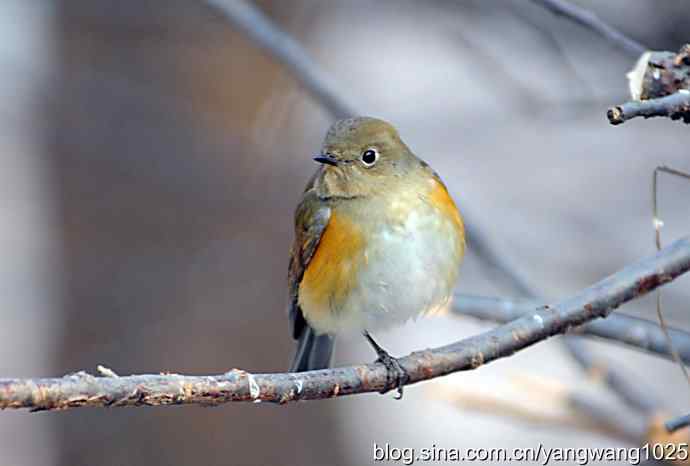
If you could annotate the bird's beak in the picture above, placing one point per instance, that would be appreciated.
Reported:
(327, 159)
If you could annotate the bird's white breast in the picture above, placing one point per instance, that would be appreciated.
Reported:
(409, 268)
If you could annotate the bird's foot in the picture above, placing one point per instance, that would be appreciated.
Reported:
(396, 375)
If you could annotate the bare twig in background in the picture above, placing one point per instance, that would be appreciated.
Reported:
(149, 390)
(675, 106)
(631, 331)
(252, 22)
(674, 424)
(579, 86)
(631, 393)
(658, 223)
(656, 219)
(591, 21)
(493, 73)
(610, 419)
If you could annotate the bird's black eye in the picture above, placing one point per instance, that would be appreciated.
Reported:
(369, 157)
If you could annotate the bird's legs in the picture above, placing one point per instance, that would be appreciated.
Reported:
(396, 375)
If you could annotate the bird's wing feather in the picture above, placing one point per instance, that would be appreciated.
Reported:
(311, 219)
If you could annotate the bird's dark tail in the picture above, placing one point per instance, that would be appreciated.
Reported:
(313, 351)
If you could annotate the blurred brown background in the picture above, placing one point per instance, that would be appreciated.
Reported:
(152, 157)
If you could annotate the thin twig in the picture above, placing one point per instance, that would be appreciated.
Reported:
(591, 21)
(658, 223)
(675, 106)
(672, 425)
(641, 334)
(282, 46)
(596, 301)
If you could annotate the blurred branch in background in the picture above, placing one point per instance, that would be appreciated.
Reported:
(599, 300)
(552, 403)
(548, 402)
(592, 22)
(281, 45)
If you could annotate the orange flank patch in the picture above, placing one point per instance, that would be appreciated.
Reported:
(331, 273)
(441, 200)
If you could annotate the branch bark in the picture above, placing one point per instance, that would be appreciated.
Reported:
(675, 106)
(659, 86)
(599, 300)
(631, 331)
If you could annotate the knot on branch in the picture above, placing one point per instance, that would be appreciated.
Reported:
(659, 86)
(658, 74)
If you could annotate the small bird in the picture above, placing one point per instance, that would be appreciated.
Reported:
(378, 240)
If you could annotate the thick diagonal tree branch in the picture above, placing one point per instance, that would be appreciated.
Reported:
(631, 331)
(149, 390)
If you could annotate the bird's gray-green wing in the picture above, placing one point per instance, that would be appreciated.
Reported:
(311, 219)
